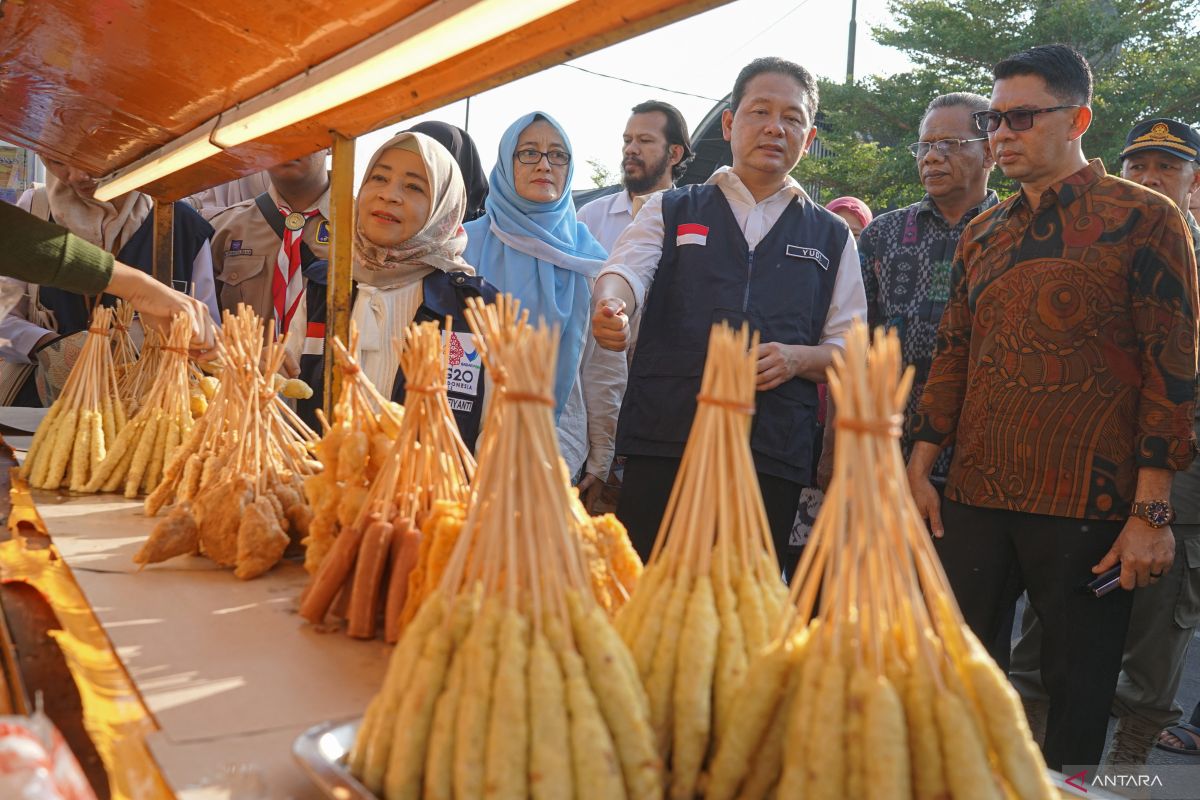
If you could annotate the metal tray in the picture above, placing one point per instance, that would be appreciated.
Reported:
(322, 750)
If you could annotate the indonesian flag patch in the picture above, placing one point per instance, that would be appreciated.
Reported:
(691, 233)
(314, 339)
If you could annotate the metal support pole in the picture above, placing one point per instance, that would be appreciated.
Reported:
(850, 46)
(164, 241)
(341, 211)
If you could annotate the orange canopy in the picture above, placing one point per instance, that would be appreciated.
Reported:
(101, 83)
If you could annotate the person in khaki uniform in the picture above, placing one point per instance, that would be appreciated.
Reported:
(284, 231)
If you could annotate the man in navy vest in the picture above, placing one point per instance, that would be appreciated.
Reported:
(747, 245)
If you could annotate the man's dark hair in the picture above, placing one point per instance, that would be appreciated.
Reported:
(1064, 69)
(760, 66)
(675, 132)
(969, 100)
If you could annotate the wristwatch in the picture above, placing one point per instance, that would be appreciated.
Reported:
(1158, 513)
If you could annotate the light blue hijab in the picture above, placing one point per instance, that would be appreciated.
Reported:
(540, 253)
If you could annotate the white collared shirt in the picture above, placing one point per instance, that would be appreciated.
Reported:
(608, 217)
(638, 250)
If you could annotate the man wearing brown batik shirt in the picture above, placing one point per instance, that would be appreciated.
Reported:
(1065, 376)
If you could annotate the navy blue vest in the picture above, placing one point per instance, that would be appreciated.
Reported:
(445, 294)
(707, 274)
(191, 231)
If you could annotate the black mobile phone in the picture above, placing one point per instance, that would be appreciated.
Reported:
(1105, 583)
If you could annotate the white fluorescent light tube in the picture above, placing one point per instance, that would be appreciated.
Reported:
(190, 149)
(435, 34)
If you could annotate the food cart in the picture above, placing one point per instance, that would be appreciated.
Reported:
(183, 681)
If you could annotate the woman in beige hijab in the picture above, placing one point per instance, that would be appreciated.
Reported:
(408, 266)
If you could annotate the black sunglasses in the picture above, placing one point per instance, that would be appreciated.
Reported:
(1019, 119)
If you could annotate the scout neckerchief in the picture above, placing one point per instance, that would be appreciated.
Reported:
(287, 284)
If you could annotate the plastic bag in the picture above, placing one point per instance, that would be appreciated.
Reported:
(36, 764)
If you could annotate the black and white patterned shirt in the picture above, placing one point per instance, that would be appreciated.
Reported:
(906, 256)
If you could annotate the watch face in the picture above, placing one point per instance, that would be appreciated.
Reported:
(1158, 513)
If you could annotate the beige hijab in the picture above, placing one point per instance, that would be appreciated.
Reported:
(103, 224)
(390, 278)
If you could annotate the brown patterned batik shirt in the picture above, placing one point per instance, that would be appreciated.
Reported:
(906, 257)
(1066, 356)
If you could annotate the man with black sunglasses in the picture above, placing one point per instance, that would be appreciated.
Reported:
(1066, 377)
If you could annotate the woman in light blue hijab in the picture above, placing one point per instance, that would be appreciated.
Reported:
(530, 244)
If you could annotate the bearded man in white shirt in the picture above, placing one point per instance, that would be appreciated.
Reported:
(655, 153)
(656, 150)
(748, 245)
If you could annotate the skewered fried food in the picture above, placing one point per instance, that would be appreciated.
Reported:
(382, 479)
(248, 454)
(894, 697)
(702, 605)
(82, 423)
(547, 699)
(175, 535)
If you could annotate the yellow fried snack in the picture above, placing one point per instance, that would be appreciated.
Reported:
(661, 680)
(732, 659)
(369, 755)
(824, 756)
(1007, 728)
(856, 720)
(549, 728)
(692, 707)
(752, 611)
(629, 617)
(622, 700)
(594, 762)
(260, 540)
(968, 773)
(757, 700)
(929, 777)
(439, 763)
(793, 779)
(886, 743)
(643, 638)
(474, 710)
(508, 726)
(174, 535)
(410, 739)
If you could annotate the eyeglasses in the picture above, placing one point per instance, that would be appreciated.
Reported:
(1019, 119)
(944, 146)
(558, 158)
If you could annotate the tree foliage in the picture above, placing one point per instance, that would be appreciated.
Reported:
(1145, 55)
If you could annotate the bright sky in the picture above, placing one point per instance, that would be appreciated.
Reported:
(700, 55)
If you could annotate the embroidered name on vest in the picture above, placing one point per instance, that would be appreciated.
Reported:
(795, 251)
(691, 233)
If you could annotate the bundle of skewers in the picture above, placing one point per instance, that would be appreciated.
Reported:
(712, 592)
(124, 352)
(137, 377)
(371, 560)
(162, 421)
(352, 450)
(874, 686)
(74, 437)
(236, 480)
(511, 682)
